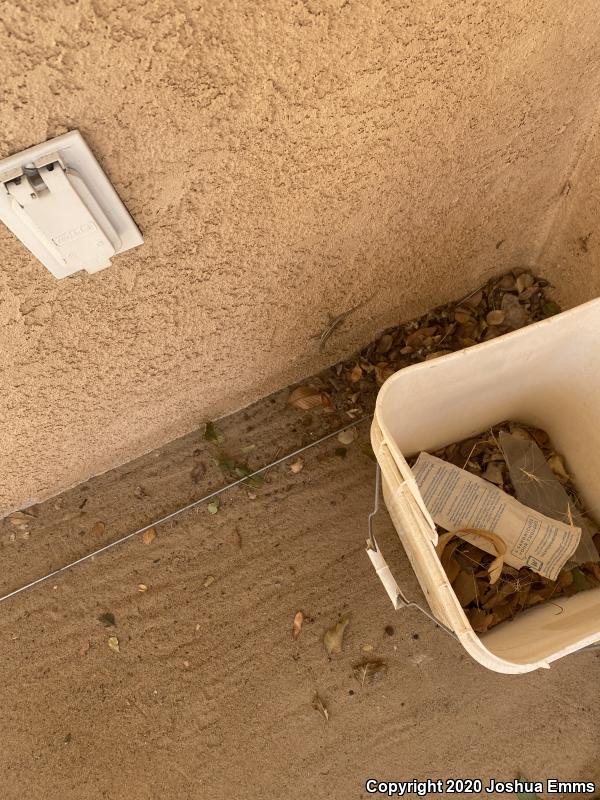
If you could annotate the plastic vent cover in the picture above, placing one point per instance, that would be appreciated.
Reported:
(58, 202)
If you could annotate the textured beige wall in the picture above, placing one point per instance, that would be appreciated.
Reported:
(285, 161)
(570, 252)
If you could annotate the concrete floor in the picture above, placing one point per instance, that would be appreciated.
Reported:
(209, 696)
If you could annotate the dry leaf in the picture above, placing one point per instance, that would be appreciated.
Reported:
(348, 436)
(462, 316)
(319, 705)
(149, 536)
(213, 506)
(557, 465)
(382, 373)
(368, 669)
(494, 474)
(465, 588)
(449, 563)
(213, 434)
(524, 281)
(479, 619)
(356, 373)
(495, 317)
(113, 643)
(20, 520)
(516, 314)
(297, 465)
(297, 626)
(502, 613)
(594, 569)
(385, 343)
(550, 308)
(141, 587)
(334, 637)
(208, 580)
(307, 397)
(565, 579)
(97, 528)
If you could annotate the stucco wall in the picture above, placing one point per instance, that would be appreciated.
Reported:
(285, 161)
(570, 252)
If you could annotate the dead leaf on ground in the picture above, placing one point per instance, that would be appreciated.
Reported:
(113, 643)
(462, 315)
(348, 436)
(297, 465)
(334, 637)
(297, 625)
(495, 317)
(213, 434)
(516, 316)
(356, 373)
(319, 705)
(550, 308)
(524, 281)
(383, 371)
(368, 669)
(198, 472)
(97, 528)
(21, 519)
(307, 397)
(149, 536)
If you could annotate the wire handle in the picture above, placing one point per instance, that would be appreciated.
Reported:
(395, 593)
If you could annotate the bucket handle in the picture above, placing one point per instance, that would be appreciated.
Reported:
(395, 593)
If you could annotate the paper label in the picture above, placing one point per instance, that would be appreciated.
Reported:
(457, 499)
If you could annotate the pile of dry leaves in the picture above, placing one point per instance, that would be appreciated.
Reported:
(527, 467)
(502, 305)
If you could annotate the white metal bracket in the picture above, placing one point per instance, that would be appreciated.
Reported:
(57, 200)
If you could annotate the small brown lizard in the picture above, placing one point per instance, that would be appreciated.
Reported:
(334, 322)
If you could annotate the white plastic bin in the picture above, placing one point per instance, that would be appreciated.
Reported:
(546, 375)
